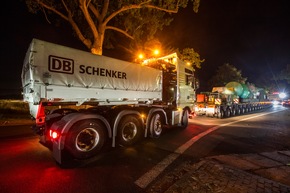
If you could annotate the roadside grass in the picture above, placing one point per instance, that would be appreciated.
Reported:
(15, 112)
(14, 109)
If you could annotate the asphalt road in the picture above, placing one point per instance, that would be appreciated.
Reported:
(27, 166)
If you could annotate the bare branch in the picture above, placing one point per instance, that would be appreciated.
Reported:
(105, 9)
(162, 9)
(53, 10)
(78, 32)
(94, 10)
(120, 30)
(65, 5)
(88, 18)
(88, 3)
(138, 6)
(68, 18)
(146, 2)
(44, 12)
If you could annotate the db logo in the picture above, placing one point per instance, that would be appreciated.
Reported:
(61, 65)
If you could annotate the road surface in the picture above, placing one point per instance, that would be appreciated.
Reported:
(27, 166)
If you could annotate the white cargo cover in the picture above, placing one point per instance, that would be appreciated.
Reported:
(57, 73)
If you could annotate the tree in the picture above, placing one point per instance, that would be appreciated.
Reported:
(90, 19)
(190, 56)
(225, 74)
(285, 74)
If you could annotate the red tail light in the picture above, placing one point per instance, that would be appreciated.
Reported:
(53, 134)
(40, 116)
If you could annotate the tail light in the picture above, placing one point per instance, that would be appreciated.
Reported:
(40, 116)
(53, 134)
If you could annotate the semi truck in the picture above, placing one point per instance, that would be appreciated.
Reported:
(233, 99)
(81, 101)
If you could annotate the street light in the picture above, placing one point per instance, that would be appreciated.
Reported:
(140, 56)
(156, 52)
(282, 95)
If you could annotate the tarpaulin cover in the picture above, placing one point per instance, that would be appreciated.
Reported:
(47, 64)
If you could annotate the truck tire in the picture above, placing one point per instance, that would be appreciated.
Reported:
(184, 119)
(129, 131)
(86, 139)
(156, 125)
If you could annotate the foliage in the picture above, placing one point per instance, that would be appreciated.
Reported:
(285, 74)
(90, 20)
(275, 83)
(225, 74)
(280, 82)
(190, 56)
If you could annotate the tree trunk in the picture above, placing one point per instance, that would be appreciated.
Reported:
(97, 46)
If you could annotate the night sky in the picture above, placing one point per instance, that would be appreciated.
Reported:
(252, 35)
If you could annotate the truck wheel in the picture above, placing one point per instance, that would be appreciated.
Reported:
(129, 131)
(184, 119)
(86, 139)
(156, 125)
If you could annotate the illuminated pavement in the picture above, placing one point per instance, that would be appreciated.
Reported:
(263, 172)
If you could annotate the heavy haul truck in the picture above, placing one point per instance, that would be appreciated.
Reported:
(233, 99)
(80, 100)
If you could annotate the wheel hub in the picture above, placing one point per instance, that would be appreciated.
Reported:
(87, 139)
(129, 131)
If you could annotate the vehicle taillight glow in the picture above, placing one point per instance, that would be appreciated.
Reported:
(53, 134)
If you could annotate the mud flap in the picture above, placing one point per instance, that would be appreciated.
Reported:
(56, 152)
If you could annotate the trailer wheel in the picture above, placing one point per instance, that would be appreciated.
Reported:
(238, 112)
(129, 131)
(221, 114)
(243, 110)
(86, 139)
(228, 112)
(184, 119)
(156, 125)
(234, 112)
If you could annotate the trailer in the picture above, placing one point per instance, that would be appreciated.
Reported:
(81, 101)
(231, 100)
